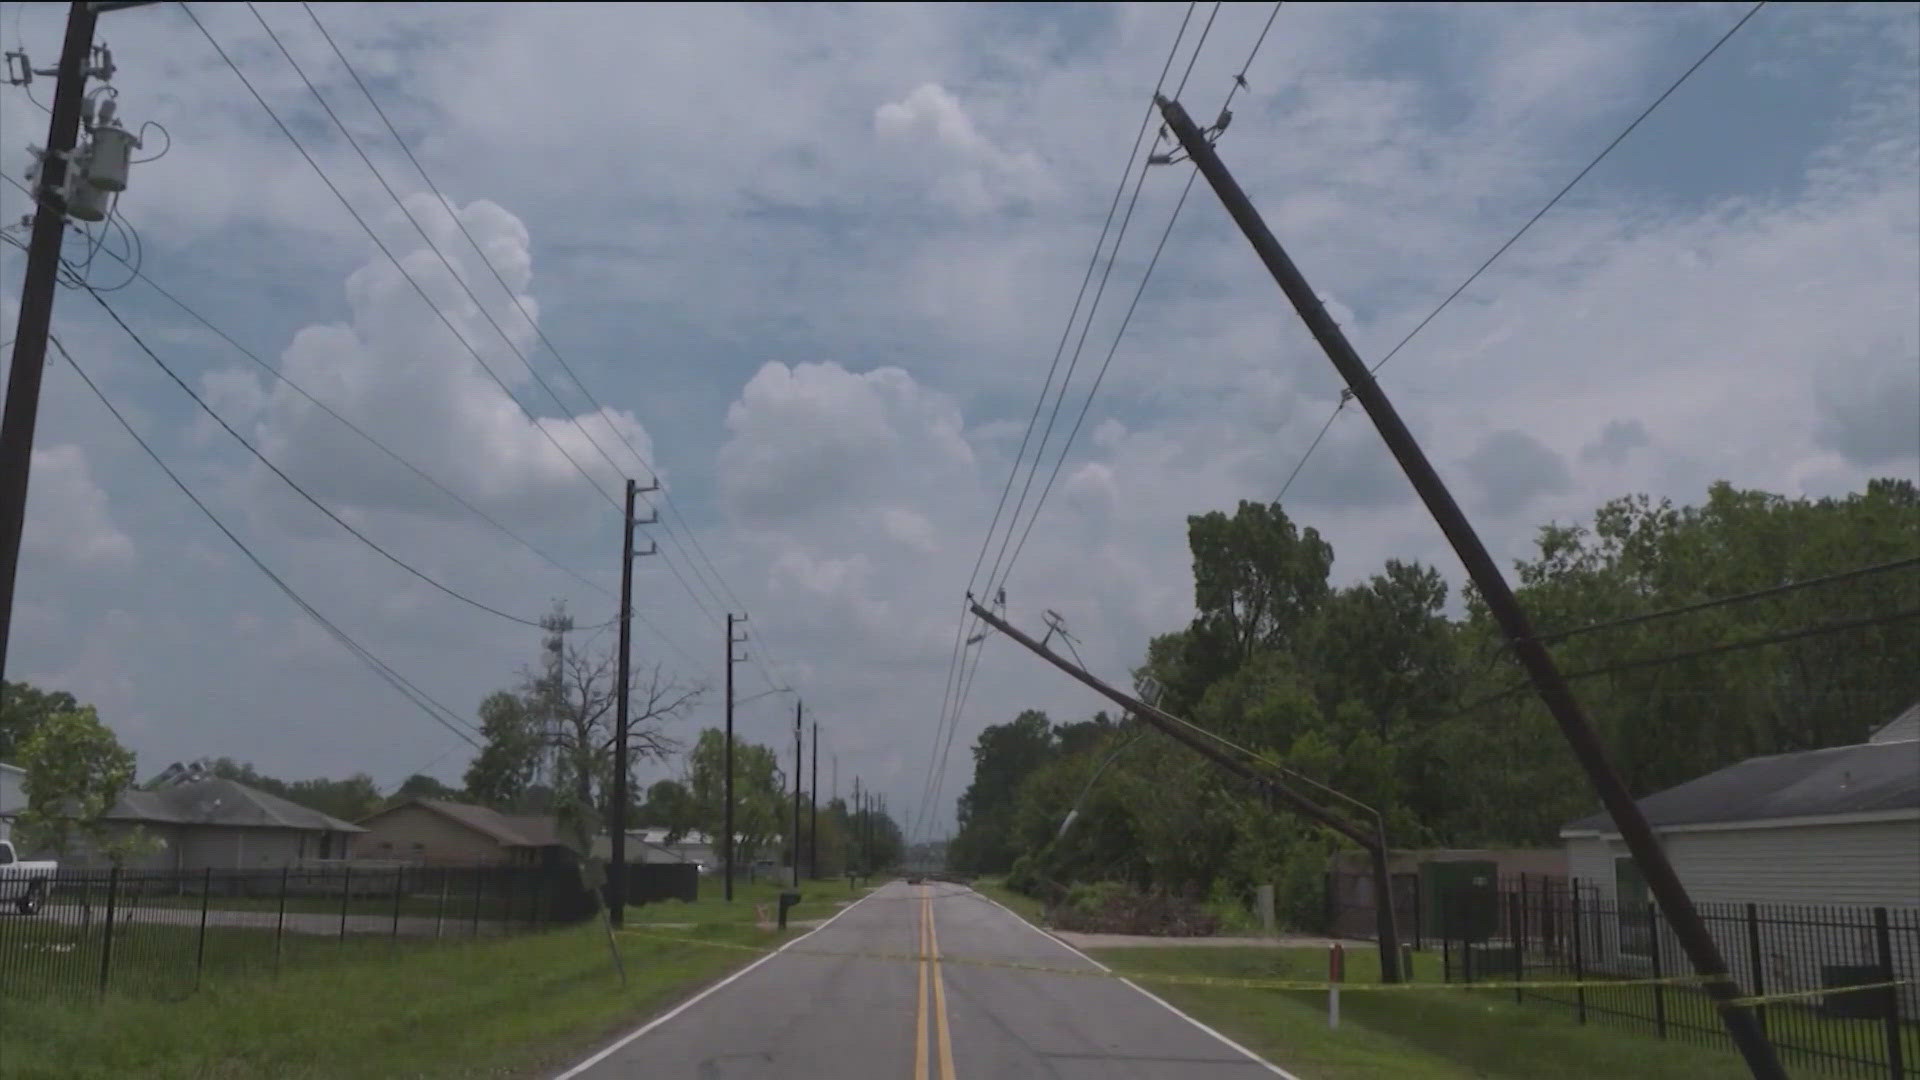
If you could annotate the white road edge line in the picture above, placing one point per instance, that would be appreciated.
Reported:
(696, 999)
(1150, 995)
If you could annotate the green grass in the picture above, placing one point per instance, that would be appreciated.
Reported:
(501, 1007)
(1419, 1035)
(1026, 906)
(818, 900)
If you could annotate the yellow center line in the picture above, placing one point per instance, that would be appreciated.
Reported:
(920, 1010)
(940, 998)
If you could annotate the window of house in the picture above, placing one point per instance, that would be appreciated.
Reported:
(1633, 908)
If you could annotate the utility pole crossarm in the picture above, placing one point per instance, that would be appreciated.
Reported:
(1662, 881)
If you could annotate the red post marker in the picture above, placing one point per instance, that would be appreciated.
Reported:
(1336, 974)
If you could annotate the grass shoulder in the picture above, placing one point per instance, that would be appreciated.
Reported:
(1405, 1035)
(500, 1007)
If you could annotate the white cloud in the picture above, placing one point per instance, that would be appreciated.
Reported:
(976, 176)
(68, 518)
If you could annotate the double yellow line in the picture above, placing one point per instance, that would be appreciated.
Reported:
(930, 973)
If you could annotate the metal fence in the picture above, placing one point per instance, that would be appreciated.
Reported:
(1550, 931)
(164, 935)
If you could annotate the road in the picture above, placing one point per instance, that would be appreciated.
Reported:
(852, 1000)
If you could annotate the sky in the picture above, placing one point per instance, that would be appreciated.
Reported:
(811, 264)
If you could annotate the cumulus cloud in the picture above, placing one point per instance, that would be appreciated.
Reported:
(397, 370)
(815, 438)
(68, 519)
(974, 174)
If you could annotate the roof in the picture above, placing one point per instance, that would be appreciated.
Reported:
(5, 767)
(1900, 728)
(215, 801)
(508, 830)
(1870, 777)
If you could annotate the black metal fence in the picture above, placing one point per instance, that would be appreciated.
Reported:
(164, 935)
(1827, 967)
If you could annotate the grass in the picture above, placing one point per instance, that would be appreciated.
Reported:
(1025, 906)
(818, 900)
(1437, 1035)
(499, 1007)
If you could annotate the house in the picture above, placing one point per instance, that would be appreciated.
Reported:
(13, 796)
(1353, 913)
(211, 823)
(651, 846)
(1834, 827)
(443, 833)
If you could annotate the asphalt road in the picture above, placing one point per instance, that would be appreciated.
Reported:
(853, 1000)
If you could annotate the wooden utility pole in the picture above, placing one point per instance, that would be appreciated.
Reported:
(813, 808)
(726, 840)
(1371, 836)
(36, 303)
(617, 813)
(795, 850)
(1659, 874)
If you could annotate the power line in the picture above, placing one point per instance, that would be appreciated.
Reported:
(1542, 212)
(1816, 630)
(454, 272)
(955, 661)
(290, 482)
(1739, 598)
(664, 637)
(1311, 447)
(691, 546)
(435, 711)
(1579, 176)
(532, 323)
(398, 265)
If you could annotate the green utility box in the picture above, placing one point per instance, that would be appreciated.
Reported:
(1460, 901)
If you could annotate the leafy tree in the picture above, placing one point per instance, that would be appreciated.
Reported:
(24, 708)
(76, 770)
(509, 759)
(1003, 756)
(760, 806)
(422, 786)
(1256, 579)
(670, 806)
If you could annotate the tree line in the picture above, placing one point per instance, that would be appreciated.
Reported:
(546, 746)
(1385, 691)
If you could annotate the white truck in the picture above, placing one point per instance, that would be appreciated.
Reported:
(22, 882)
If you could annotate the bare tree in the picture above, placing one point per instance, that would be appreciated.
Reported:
(574, 696)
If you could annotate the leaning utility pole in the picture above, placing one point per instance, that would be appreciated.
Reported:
(1373, 839)
(797, 705)
(617, 880)
(1658, 872)
(726, 841)
(36, 290)
(813, 809)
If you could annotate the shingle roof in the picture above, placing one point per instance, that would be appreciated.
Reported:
(509, 830)
(215, 801)
(1837, 780)
(1900, 728)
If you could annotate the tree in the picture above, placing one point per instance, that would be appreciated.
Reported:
(573, 697)
(422, 786)
(349, 800)
(759, 803)
(509, 759)
(23, 709)
(1003, 756)
(670, 806)
(76, 770)
(1256, 579)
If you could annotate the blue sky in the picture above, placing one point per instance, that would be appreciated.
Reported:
(816, 258)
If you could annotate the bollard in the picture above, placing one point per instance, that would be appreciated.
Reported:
(1336, 974)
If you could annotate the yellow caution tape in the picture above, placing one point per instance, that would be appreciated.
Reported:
(1241, 983)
